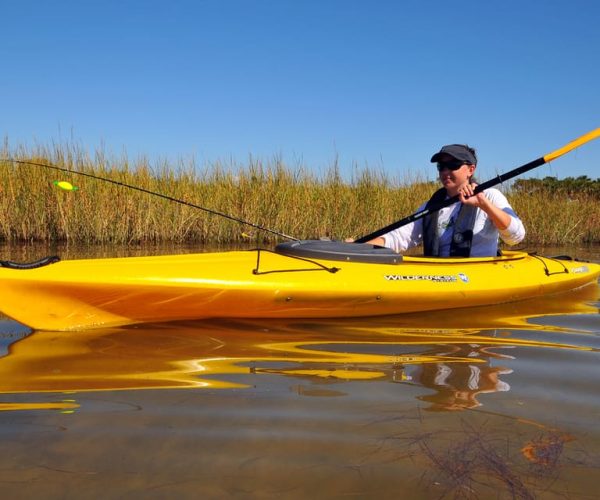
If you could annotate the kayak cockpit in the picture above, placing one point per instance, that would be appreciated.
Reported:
(339, 251)
(371, 254)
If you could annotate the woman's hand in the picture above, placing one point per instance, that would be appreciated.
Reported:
(466, 195)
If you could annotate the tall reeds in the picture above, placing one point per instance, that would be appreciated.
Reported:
(559, 221)
(294, 201)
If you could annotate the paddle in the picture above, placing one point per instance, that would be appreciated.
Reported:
(594, 134)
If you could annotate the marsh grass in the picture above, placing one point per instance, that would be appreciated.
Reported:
(293, 201)
(556, 220)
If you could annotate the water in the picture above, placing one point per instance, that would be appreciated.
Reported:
(495, 402)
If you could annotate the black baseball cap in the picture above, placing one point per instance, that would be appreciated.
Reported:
(458, 151)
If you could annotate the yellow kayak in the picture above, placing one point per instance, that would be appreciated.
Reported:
(307, 279)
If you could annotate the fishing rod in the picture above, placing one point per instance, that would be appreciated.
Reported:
(147, 191)
(594, 134)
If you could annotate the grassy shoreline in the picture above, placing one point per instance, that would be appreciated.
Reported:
(292, 201)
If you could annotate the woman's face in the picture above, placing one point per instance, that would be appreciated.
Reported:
(451, 177)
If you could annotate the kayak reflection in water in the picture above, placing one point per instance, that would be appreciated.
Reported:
(469, 228)
(457, 385)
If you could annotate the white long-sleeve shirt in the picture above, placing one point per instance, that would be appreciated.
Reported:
(485, 233)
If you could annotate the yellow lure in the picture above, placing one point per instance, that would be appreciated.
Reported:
(67, 186)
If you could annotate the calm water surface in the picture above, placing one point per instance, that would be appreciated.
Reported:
(495, 402)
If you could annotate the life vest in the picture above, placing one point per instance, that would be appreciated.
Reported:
(462, 230)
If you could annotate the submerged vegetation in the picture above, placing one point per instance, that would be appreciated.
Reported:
(293, 201)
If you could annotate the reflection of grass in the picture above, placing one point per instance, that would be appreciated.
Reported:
(273, 195)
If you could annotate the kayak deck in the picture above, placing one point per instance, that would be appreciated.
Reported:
(93, 293)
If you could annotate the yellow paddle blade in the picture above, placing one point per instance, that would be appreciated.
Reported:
(590, 136)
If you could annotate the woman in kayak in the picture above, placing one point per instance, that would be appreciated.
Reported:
(469, 228)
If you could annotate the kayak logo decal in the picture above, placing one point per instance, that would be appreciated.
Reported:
(436, 278)
(463, 277)
(581, 269)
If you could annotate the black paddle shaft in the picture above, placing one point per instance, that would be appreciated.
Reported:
(449, 201)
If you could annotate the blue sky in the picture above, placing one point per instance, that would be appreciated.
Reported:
(380, 83)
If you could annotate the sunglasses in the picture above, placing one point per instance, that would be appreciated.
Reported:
(450, 165)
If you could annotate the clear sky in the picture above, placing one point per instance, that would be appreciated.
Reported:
(377, 83)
